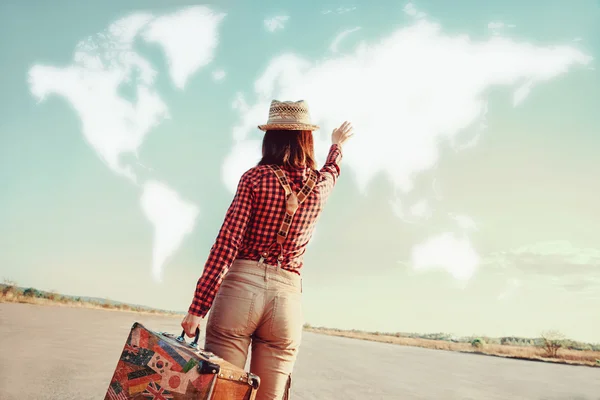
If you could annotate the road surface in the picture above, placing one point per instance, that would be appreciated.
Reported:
(51, 352)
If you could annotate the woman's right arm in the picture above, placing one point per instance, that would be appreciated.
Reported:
(331, 170)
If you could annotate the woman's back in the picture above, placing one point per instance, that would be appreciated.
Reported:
(267, 202)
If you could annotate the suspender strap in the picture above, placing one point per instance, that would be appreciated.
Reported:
(293, 201)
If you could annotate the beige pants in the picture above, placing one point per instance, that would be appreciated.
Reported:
(258, 304)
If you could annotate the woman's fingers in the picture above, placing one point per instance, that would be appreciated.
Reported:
(349, 130)
(341, 134)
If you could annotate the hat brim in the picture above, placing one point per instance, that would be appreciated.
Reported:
(290, 127)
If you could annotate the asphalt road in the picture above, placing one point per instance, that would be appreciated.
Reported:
(49, 352)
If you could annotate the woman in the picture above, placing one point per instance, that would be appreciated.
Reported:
(251, 279)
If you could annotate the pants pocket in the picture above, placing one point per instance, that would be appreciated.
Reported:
(232, 308)
(287, 318)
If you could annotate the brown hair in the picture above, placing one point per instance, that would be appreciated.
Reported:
(288, 148)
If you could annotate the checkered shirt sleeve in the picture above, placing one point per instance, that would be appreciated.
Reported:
(331, 170)
(225, 248)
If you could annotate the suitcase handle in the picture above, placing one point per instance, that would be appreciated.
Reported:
(194, 344)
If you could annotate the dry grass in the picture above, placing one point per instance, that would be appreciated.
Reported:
(565, 356)
(10, 293)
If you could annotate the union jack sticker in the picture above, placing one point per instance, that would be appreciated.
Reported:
(155, 392)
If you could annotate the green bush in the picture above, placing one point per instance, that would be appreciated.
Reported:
(478, 343)
(32, 292)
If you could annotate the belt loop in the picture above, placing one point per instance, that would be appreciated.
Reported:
(261, 263)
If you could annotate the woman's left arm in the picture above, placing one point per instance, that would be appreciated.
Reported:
(225, 248)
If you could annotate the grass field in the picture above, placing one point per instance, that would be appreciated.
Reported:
(11, 293)
(526, 352)
(550, 347)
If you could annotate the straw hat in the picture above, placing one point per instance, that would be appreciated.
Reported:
(291, 115)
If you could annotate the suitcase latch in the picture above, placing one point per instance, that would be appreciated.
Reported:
(206, 367)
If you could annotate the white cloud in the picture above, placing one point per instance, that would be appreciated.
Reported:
(172, 218)
(521, 93)
(421, 209)
(276, 23)
(218, 75)
(188, 37)
(413, 214)
(411, 10)
(339, 10)
(343, 10)
(338, 39)
(446, 251)
(405, 93)
(465, 222)
(479, 129)
(114, 126)
(408, 91)
(495, 25)
(111, 124)
(416, 213)
(106, 62)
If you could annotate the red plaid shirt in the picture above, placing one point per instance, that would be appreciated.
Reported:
(255, 216)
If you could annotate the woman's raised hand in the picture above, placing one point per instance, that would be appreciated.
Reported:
(340, 135)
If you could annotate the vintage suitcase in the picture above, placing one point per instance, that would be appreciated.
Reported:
(161, 366)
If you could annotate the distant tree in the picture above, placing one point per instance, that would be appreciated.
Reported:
(9, 282)
(552, 342)
(478, 343)
(10, 286)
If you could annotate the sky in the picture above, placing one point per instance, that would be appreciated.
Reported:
(468, 197)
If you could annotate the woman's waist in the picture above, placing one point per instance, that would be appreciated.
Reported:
(263, 272)
(292, 260)
(258, 240)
